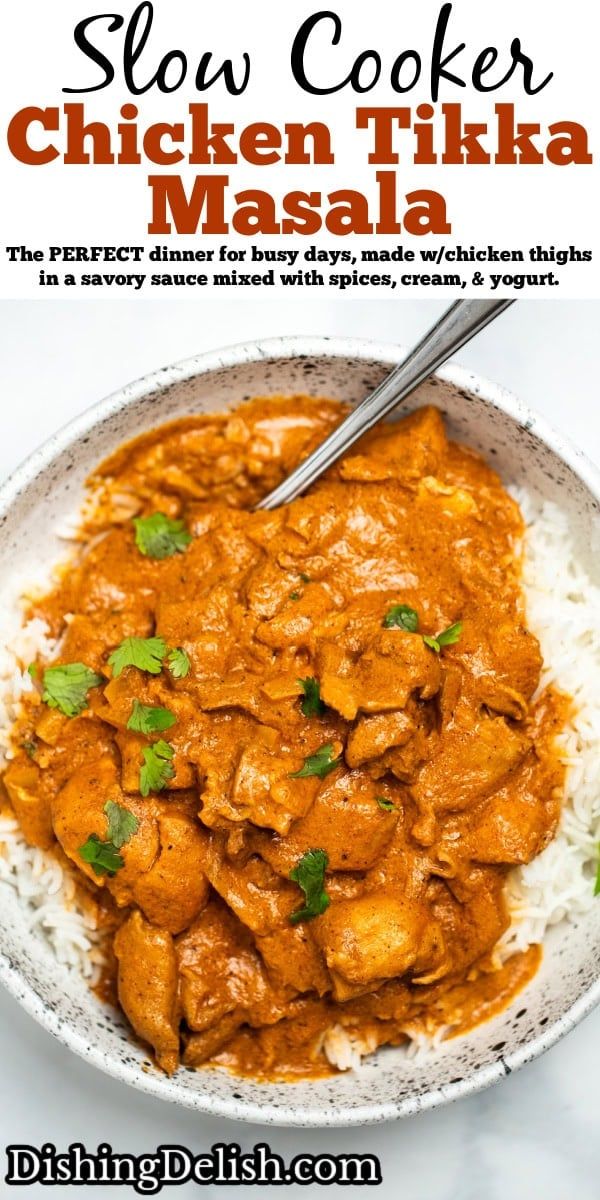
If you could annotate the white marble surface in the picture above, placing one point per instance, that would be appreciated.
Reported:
(535, 1135)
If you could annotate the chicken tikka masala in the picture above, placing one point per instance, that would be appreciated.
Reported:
(293, 754)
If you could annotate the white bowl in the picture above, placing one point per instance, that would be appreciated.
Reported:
(48, 488)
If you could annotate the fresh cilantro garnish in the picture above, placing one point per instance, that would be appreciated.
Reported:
(294, 595)
(121, 823)
(309, 874)
(303, 577)
(311, 705)
(178, 663)
(319, 764)
(157, 769)
(66, 687)
(32, 670)
(30, 748)
(103, 857)
(146, 718)
(400, 616)
(448, 637)
(159, 536)
(146, 654)
(385, 804)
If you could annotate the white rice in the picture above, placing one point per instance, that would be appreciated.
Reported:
(563, 610)
(19, 645)
(49, 897)
(346, 1048)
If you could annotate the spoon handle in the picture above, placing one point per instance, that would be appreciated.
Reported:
(455, 327)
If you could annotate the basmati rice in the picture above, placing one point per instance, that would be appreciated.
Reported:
(563, 610)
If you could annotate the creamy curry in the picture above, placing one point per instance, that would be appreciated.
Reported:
(293, 753)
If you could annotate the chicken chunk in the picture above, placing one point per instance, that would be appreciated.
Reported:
(520, 819)
(470, 764)
(268, 587)
(294, 960)
(207, 627)
(175, 889)
(381, 680)
(21, 780)
(198, 1047)
(345, 820)
(517, 657)
(372, 736)
(375, 937)
(131, 747)
(120, 693)
(78, 812)
(263, 791)
(260, 899)
(216, 755)
(247, 777)
(294, 624)
(504, 661)
(222, 974)
(271, 704)
(50, 726)
(471, 911)
(96, 589)
(89, 640)
(163, 860)
(147, 982)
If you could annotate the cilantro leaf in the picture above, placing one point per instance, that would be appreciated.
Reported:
(294, 595)
(66, 687)
(121, 824)
(148, 718)
(303, 577)
(319, 764)
(309, 874)
(431, 642)
(144, 653)
(157, 769)
(30, 748)
(311, 705)
(159, 536)
(400, 616)
(103, 857)
(448, 637)
(386, 804)
(178, 663)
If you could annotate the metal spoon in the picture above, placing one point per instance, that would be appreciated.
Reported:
(457, 326)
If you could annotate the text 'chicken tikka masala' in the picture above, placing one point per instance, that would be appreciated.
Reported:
(293, 754)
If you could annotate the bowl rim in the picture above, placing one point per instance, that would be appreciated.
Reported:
(156, 1084)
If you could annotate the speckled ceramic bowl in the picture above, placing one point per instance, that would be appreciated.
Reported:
(48, 488)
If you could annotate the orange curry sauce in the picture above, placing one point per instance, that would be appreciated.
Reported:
(436, 770)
